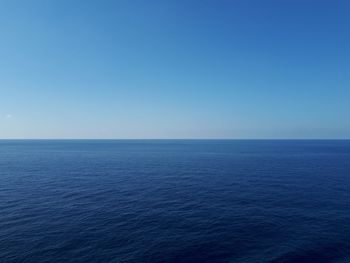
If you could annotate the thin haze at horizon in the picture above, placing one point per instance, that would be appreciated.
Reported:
(175, 69)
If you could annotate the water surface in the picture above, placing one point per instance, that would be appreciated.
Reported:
(174, 201)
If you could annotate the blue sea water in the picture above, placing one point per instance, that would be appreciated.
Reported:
(175, 201)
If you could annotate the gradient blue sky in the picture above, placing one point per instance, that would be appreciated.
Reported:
(175, 69)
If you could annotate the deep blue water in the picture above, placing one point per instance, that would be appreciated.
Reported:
(175, 201)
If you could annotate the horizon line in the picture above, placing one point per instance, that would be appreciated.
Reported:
(206, 139)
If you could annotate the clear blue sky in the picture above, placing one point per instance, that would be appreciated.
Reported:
(175, 69)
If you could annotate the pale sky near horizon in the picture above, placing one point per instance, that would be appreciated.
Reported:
(175, 69)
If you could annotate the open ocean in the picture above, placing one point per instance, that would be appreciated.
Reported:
(175, 201)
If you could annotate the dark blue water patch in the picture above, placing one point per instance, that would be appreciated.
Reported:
(174, 201)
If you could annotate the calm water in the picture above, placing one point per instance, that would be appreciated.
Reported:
(175, 201)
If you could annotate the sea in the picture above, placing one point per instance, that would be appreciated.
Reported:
(175, 201)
